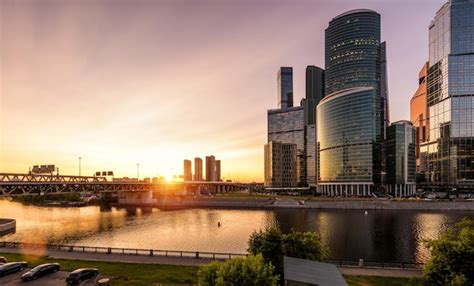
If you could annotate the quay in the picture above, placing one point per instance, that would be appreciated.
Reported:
(7, 226)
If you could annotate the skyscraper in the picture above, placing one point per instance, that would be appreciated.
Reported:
(419, 117)
(210, 168)
(450, 150)
(187, 173)
(285, 87)
(218, 170)
(401, 161)
(352, 117)
(198, 169)
(280, 164)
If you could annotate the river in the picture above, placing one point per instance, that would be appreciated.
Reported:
(351, 234)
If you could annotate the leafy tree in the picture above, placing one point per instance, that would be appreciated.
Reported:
(305, 245)
(240, 271)
(452, 257)
(269, 244)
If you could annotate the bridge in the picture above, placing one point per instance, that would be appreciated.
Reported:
(14, 184)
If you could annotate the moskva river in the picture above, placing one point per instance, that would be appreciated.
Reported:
(350, 234)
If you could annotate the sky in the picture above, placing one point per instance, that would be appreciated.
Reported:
(127, 82)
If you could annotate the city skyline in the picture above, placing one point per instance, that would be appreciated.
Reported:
(125, 103)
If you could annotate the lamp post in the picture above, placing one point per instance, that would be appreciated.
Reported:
(80, 158)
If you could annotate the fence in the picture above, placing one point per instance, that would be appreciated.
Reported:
(198, 254)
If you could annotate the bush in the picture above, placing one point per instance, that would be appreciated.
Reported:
(452, 257)
(305, 245)
(240, 271)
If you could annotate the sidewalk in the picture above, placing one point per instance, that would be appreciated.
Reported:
(109, 257)
(386, 272)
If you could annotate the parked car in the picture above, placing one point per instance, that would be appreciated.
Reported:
(40, 271)
(80, 275)
(12, 267)
(3, 260)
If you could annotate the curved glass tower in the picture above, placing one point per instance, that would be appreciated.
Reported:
(352, 118)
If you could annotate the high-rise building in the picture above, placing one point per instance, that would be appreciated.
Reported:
(352, 117)
(218, 170)
(287, 126)
(450, 86)
(285, 87)
(280, 164)
(419, 117)
(210, 168)
(187, 171)
(401, 161)
(314, 94)
(198, 169)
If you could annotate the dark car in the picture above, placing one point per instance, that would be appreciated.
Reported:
(40, 271)
(3, 260)
(12, 267)
(78, 276)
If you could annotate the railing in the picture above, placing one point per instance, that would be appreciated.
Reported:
(198, 254)
(124, 251)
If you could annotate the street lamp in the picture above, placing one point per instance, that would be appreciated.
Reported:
(80, 158)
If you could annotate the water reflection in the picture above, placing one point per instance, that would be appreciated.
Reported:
(379, 235)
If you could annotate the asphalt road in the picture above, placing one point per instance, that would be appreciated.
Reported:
(54, 279)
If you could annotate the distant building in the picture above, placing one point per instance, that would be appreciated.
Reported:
(187, 171)
(419, 117)
(352, 116)
(280, 164)
(198, 169)
(285, 87)
(218, 170)
(401, 161)
(450, 90)
(210, 168)
(287, 126)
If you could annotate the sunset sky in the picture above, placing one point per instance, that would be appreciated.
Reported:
(154, 82)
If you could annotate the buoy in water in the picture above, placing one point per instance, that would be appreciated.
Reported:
(366, 213)
(219, 224)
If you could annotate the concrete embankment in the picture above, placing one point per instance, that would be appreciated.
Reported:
(270, 203)
(7, 226)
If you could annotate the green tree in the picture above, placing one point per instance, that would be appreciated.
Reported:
(269, 244)
(240, 271)
(452, 257)
(305, 245)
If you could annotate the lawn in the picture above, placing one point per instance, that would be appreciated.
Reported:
(151, 274)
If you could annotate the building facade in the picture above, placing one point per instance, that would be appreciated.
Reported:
(352, 117)
(198, 169)
(210, 168)
(287, 126)
(187, 171)
(285, 87)
(218, 170)
(280, 165)
(419, 117)
(401, 160)
(450, 96)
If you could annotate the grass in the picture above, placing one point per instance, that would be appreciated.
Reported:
(122, 273)
(151, 274)
(385, 281)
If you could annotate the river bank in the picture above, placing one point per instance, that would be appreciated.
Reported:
(7, 226)
(296, 203)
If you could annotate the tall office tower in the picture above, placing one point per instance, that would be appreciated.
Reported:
(287, 126)
(451, 96)
(280, 164)
(314, 94)
(210, 168)
(401, 161)
(351, 118)
(218, 170)
(419, 116)
(198, 169)
(187, 173)
(285, 87)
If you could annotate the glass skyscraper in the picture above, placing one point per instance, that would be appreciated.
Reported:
(450, 150)
(285, 87)
(352, 118)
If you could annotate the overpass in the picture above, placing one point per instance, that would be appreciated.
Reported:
(14, 184)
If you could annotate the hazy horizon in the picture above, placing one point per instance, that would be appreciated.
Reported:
(155, 82)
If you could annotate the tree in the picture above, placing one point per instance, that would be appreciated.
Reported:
(240, 271)
(452, 257)
(305, 245)
(269, 244)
